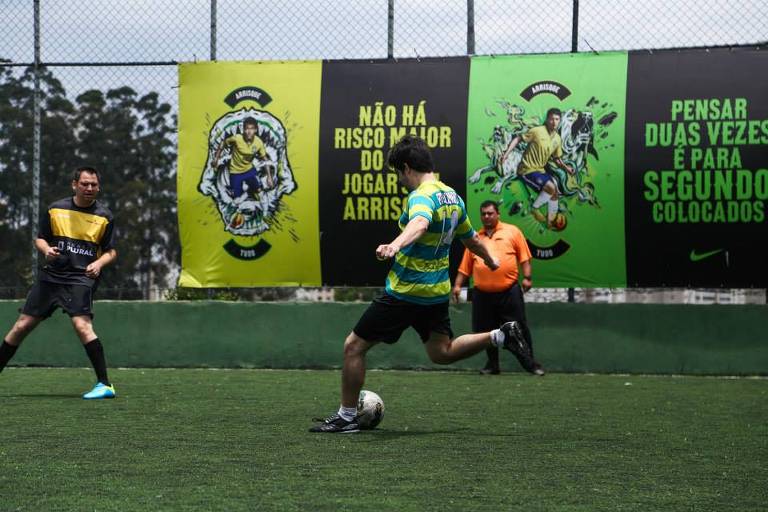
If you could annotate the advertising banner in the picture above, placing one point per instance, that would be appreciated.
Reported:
(697, 168)
(247, 177)
(562, 183)
(366, 107)
(640, 169)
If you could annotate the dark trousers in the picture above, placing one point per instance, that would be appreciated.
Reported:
(491, 309)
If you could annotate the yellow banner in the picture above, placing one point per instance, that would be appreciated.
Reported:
(247, 177)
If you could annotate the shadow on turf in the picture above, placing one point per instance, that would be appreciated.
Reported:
(381, 434)
(42, 395)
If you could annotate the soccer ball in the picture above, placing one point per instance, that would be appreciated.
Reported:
(370, 409)
(559, 222)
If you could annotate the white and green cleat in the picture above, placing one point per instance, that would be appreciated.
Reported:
(99, 392)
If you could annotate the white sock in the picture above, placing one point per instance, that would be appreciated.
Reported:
(543, 198)
(497, 338)
(348, 413)
(553, 207)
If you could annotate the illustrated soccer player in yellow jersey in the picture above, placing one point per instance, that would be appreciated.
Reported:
(75, 237)
(543, 144)
(418, 286)
(248, 164)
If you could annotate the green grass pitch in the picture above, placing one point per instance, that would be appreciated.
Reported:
(237, 440)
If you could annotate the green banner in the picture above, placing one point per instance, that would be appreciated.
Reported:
(576, 234)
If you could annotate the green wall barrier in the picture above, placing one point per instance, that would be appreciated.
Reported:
(624, 338)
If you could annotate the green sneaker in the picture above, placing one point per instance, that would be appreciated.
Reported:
(99, 392)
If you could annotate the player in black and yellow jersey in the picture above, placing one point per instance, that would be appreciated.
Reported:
(75, 237)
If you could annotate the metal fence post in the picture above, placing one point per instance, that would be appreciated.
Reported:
(36, 138)
(575, 28)
(574, 49)
(213, 29)
(390, 29)
(470, 27)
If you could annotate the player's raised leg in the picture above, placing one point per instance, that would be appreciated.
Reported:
(441, 349)
(514, 339)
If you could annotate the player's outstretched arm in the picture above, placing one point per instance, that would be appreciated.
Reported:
(475, 245)
(416, 227)
(217, 156)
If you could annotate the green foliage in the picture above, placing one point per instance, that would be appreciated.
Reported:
(356, 294)
(180, 293)
(231, 294)
(128, 138)
(450, 441)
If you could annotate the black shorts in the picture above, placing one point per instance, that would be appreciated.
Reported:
(491, 309)
(45, 297)
(387, 317)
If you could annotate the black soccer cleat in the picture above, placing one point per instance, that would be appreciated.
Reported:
(515, 342)
(336, 425)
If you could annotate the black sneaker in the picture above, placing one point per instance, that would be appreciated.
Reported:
(515, 342)
(336, 424)
(490, 370)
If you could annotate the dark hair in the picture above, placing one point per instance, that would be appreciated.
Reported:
(82, 169)
(489, 202)
(251, 121)
(413, 151)
(555, 111)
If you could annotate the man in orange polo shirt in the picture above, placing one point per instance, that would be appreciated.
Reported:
(498, 295)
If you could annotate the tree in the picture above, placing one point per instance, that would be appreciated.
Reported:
(16, 155)
(128, 137)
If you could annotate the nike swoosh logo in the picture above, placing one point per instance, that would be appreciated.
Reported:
(700, 256)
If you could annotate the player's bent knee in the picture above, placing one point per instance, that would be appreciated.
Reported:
(355, 346)
(83, 328)
(24, 325)
(438, 354)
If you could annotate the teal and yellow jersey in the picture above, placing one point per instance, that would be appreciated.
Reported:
(82, 236)
(420, 271)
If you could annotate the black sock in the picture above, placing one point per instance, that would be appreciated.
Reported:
(96, 354)
(6, 353)
(493, 358)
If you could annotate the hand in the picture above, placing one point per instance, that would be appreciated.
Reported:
(52, 253)
(455, 294)
(386, 251)
(569, 170)
(526, 284)
(93, 270)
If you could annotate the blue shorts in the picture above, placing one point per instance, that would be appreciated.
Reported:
(251, 177)
(536, 179)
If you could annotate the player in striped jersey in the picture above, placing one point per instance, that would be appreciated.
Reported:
(418, 286)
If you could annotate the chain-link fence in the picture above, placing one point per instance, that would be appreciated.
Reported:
(53, 52)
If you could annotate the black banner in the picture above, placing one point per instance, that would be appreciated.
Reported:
(366, 107)
(697, 168)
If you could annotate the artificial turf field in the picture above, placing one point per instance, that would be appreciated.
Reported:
(237, 440)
